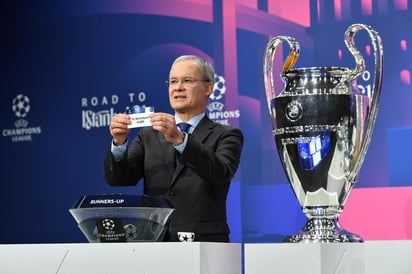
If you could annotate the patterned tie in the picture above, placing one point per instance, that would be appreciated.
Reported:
(184, 127)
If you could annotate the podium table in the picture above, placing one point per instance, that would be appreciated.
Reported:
(136, 258)
(370, 257)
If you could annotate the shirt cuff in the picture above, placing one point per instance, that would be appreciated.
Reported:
(182, 146)
(118, 151)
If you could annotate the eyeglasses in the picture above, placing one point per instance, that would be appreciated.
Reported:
(187, 82)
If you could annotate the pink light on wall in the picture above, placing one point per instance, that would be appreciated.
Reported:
(366, 7)
(340, 54)
(400, 4)
(207, 2)
(298, 13)
(379, 213)
(404, 45)
(247, 3)
(368, 50)
(405, 77)
(338, 10)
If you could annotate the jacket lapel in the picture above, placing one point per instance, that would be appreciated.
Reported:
(202, 130)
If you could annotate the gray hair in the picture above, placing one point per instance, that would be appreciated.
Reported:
(206, 68)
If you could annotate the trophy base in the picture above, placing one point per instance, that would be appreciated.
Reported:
(323, 230)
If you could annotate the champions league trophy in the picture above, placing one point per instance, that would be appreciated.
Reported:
(322, 126)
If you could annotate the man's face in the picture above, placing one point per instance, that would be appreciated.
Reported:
(188, 90)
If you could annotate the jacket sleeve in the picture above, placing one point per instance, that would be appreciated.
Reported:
(217, 159)
(127, 171)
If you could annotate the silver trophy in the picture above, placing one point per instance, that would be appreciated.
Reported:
(322, 125)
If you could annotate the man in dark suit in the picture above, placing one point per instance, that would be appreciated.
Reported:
(191, 168)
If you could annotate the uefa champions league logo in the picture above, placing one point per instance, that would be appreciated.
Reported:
(21, 105)
(219, 88)
(109, 230)
(216, 108)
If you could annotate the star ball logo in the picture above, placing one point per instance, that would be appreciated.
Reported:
(108, 224)
(130, 230)
(21, 105)
(21, 131)
(216, 108)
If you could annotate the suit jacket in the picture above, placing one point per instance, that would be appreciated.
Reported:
(196, 183)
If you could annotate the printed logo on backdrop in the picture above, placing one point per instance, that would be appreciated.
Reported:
(21, 132)
(97, 111)
(217, 110)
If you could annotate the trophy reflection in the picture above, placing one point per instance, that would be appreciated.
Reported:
(322, 126)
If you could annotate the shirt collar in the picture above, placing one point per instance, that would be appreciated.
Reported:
(193, 122)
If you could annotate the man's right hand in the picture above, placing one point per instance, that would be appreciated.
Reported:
(118, 128)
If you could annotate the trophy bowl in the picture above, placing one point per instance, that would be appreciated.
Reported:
(322, 126)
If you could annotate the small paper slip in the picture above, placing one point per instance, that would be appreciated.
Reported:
(140, 116)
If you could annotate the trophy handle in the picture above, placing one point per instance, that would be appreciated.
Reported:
(268, 63)
(373, 98)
